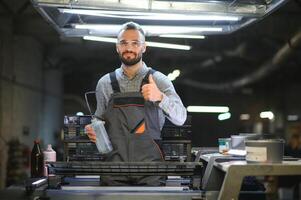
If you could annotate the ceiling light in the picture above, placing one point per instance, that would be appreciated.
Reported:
(150, 30)
(172, 76)
(208, 109)
(292, 117)
(100, 39)
(150, 15)
(267, 114)
(244, 117)
(224, 116)
(183, 36)
(151, 44)
(176, 72)
(168, 45)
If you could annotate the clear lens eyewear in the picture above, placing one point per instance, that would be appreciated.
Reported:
(124, 43)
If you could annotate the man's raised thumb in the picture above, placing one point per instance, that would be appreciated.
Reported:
(151, 79)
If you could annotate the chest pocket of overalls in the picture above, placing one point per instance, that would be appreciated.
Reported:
(132, 109)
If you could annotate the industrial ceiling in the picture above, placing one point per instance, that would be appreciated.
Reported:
(239, 56)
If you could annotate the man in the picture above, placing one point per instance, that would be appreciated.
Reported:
(134, 101)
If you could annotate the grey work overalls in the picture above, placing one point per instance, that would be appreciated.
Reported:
(133, 126)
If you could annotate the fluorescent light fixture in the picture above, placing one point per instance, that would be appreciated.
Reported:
(292, 117)
(150, 15)
(149, 29)
(244, 117)
(172, 76)
(224, 116)
(208, 109)
(150, 44)
(100, 39)
(168, 45)
(176, 72)
(183, 36)
(267, 114)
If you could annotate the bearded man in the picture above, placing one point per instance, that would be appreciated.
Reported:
(133, 101)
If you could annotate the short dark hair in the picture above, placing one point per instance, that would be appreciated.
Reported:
(131, 26)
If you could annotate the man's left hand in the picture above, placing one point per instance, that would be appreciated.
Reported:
(150, 91)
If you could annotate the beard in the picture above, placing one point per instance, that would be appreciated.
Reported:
(130, 61)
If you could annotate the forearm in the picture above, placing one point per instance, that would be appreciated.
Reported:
(173, 109)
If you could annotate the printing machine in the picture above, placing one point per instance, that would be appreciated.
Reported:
(211, 176)
(207, 175)
(222, 179)
(79, 175)
(81, 180)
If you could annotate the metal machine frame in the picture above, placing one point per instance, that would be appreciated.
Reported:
(226, 173)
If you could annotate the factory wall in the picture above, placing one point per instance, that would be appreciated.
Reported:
(30, 100)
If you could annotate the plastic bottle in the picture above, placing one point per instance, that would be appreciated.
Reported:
(37, 160)
(103, 142)
(49, 156)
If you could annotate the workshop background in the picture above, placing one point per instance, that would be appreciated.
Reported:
(44, 76)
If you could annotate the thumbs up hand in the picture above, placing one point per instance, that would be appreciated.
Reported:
(150, 91)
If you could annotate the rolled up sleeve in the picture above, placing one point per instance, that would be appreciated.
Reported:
(103, 91)
(171, 103)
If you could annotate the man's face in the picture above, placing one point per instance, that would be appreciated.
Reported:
(130, 47)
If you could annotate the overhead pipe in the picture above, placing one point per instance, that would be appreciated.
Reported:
(279, 58)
